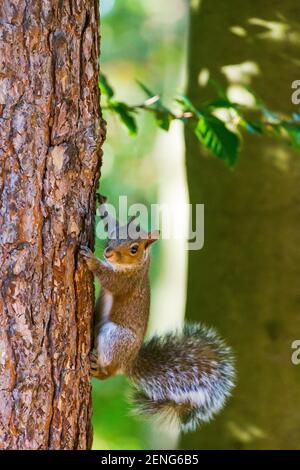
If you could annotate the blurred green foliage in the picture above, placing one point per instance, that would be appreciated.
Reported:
(114, 427)
(220, 136)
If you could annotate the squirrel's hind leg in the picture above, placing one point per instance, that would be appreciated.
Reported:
(100, 372)
(115, 346)
(96, 370)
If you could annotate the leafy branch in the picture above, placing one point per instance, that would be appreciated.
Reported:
(222, 136)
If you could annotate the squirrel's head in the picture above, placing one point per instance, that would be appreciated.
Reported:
(131, 250)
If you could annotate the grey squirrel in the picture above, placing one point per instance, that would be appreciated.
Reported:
(185, 376)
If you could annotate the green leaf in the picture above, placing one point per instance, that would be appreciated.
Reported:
(213, 133)
(219, 88)
(219, 103)
(163, 115)
(126, 114)
(251, 126)
(270, 115)
(187, 105)
(163, 119)
(148, 92)
(293, 131)
(258, 100)
(105, 87)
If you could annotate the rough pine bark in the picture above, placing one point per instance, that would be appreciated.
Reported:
(50, 137)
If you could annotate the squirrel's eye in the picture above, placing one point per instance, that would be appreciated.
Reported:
(134, 249)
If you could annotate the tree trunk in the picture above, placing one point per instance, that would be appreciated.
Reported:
(50, 138)
(246, 279)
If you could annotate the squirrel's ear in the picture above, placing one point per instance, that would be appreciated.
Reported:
(152, 237)
(101, 198)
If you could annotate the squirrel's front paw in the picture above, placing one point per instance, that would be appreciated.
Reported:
(90, 259)
(86, 252)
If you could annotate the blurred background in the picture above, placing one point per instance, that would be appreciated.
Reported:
(245, 281)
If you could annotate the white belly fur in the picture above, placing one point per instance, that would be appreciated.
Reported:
(107, 303)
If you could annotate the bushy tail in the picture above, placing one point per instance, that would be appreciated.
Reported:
(185, 376)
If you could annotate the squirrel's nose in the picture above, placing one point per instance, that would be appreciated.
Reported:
(108, 252)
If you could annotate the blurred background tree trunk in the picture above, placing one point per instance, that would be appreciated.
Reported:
(246, 279)
(50, 137)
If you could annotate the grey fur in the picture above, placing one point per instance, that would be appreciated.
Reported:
(184, 377)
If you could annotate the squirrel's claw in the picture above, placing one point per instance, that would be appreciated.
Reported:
(85, 251)
(96, 370)
(89, 258)
(94, 363)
